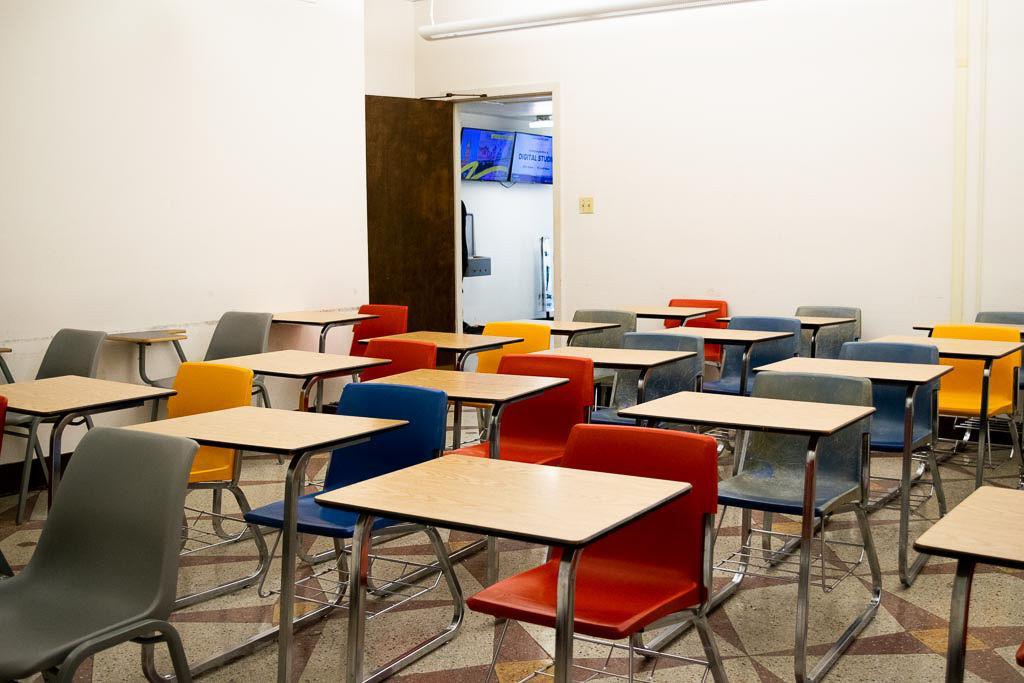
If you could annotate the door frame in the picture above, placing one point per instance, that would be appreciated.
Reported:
(504, 92)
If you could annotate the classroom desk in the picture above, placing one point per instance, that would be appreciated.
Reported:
(623, 359)
(679, 313)
(59, 400)
(929, 327)
(147, 338)
(910, 376)
(985, 527)
(461, 344)
(297, 435)
(729, 337)
(803, 418)
(8, 377)
(813, 323)
(570, 328)
(968, 349)
(311, 367)
(553, 506)
(325, 320)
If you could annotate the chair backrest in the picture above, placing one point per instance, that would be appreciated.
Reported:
(404, 354)
(710, 320)
(419, 441)
(766, 352)
(830, 339)
(115, 528)
(967, 375)
(72, 352)
(840, 456)
(658, 454)
(604, 339)
(663, 380)
(535, 338)
(549, 416)
(888, 399)
(1000, 317)
(391, 320)
(204, 388)
(239, 334)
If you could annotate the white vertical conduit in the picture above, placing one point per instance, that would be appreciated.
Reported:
(585, 11)
(979, 249)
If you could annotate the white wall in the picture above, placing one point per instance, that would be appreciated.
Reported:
(774, 154)
(390, 48)
(509, 222)
(168, 160)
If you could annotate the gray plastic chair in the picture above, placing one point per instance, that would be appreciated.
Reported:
(604, 339)
(70, 352)
(1000, 317)
(685, 375)
(830, 339)
(106, 567)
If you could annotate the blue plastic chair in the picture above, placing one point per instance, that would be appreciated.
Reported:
(684, 375)
(761, 354)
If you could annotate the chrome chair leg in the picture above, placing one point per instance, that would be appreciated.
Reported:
(32, 446)
(497, 650)
(707, 639)
(940, 492)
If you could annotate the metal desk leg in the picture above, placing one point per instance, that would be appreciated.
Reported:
(907, 575)
(181, 352)
(979, 476)
(645, 375)
(564, 614)
(55, 456)
(8, 377)
(457, 425)
(289, 543)
(359, 574)
(460, 360)
(959, 606)
(747, 350)
(494, 452)
(806, 536)
(322, 348)
(814, 341)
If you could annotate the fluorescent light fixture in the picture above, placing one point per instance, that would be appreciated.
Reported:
(542, 122)
(581, 11)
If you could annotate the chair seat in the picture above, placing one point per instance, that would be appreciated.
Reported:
(767, 490)
(969, 405)
(610, 416)
(516, 451)
(50, 622)
(640, 597)
(163, 382)
(726, 385)
(17, 420)
(887, 433)
(313, 518)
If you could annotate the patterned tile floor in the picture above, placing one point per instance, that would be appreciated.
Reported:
(905, 642)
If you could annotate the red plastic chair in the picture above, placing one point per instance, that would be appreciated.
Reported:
(392, 320)
(712, 352)
(536, 430)
(636, 575)
(1020, 654)
(404, 354)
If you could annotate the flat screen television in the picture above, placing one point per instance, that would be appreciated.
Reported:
(486, 154)
(532, 159)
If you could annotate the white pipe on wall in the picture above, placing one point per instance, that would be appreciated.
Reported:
(599, 9)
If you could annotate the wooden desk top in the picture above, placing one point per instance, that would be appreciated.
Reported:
(670, 312)
(619, 358)
(567, 327)
(534, 503)
(455, 341)
(726, 336)
(269, 430)
(149, 336)
(477, 387)
(809, 322)
(988, 526)
(321, 317)
(742, 412)
(928, 327)
(71, 393)
(876, 371)
(298, 364)
(964, 349)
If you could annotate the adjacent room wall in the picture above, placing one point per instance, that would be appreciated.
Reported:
(774, 153)
(391, 48)
(168, 160)
(509, 224)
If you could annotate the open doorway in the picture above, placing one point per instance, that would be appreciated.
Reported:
(504, 182)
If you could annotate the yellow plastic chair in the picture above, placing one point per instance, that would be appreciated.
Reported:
(535, 338)
(960, 390)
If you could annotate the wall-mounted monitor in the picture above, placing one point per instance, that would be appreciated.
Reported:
(532, 159)
(486, 154)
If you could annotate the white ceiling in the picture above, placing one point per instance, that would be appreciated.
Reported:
(524, 110)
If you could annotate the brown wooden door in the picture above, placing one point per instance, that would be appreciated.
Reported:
(410, 201)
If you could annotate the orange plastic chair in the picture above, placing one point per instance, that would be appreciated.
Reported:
(404, 354)
(391, 320)
(712, 352)
(535, 338)
(960, 390)
(203, 388)
(1020, 655)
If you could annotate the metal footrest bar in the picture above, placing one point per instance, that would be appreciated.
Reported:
(751, 560)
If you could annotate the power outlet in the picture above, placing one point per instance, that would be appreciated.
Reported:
(586, 205)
